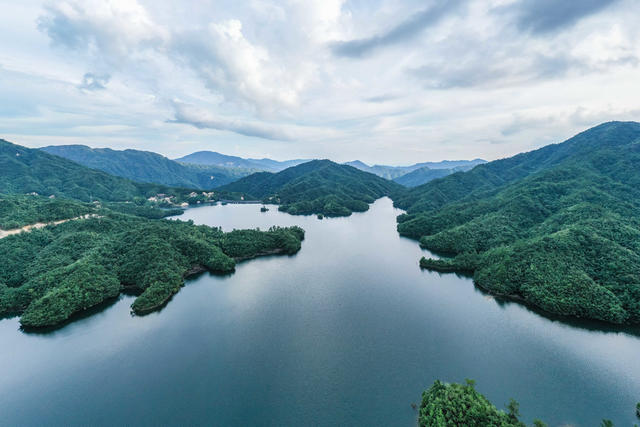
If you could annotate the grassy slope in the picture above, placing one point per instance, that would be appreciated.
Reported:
(558, 227)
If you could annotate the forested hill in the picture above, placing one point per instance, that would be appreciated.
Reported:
(26, 170)
(558, 227)
(145, 166)
(316, 187)
(493, 175)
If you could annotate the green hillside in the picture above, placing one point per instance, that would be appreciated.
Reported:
(212, 158)
(445, 405)
(18, 211)
(26, 170)
(145, 166)
(316, 187)
(558, 227)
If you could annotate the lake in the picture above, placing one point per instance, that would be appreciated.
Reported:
(349, 331)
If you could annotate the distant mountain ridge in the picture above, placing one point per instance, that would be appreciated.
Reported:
(422, 175)
(316, 187)
(217, 159)
(395, 173)
(146, 166)
(384, 171)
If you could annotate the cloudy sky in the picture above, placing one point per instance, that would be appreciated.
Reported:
(384, 81)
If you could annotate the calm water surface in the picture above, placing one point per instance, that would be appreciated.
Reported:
(347, 332)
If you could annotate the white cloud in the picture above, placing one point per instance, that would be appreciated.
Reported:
(260, 77)
(231, 65)
(107, 29)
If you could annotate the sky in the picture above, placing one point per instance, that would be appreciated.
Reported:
(383, 81)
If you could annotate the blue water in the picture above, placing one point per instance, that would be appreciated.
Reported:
(347, 332)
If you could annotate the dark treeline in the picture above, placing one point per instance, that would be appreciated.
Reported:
(558, 227)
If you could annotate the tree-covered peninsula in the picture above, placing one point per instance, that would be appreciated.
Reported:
(316, 187)
(87, 236)
(49, 274)
(558, 227)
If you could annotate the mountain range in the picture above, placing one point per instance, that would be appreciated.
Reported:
(212, 158)
(396, 172)
(206, 170)
(146, 166)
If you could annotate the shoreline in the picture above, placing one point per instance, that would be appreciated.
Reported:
(193, 271)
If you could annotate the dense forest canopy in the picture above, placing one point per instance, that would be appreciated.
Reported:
(145, 166)
(316, 187)
(18, 210)
(452, 405)
(49, 274)
(558, 227)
